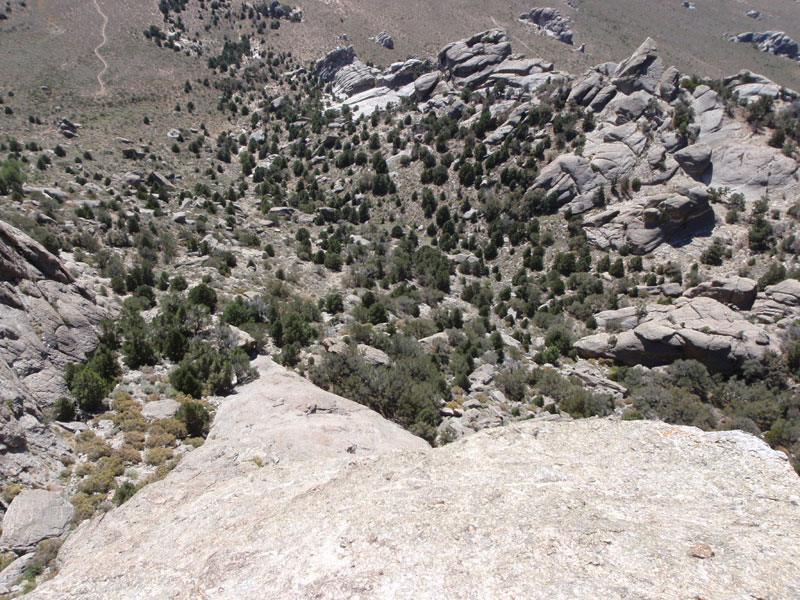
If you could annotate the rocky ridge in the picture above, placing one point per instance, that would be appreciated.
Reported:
(605, 147)
(293, 475)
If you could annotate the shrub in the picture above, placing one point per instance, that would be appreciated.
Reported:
(775, 274)
(184, 378)
(64, 409)
(513, 383)
(202, 294)
(713, 254)
(760, 235)
(195, 417)
(238, 312)
(11, 177)
(558, 337)
(124, 492)
(157, 456)
(407, 391)
(89, 388)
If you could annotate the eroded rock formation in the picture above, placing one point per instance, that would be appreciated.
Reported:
(298, 494)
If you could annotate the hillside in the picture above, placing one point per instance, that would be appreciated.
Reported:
(501, 237)
(336, 503)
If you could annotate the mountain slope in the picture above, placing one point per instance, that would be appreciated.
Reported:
(298, 494)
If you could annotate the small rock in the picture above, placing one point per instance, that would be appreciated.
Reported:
(160, 409)
(702, 551)
(384, 39)
(279, 103)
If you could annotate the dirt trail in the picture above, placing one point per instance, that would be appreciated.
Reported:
(102, 91)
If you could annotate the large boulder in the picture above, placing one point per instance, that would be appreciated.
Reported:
(402, 73)
(643, 70)
(470, 62)
(384, 39)
(33, 516)
(645, 223)
(751, 169)
(735, 291)
(625, 108)
(773, 42)
(550, 22)
(709, 110)
(786, 292)
(568, 176)
(425, 84)
(331, 63)
(584, 90)
(694, 159)
(698, 328)
(353, 79)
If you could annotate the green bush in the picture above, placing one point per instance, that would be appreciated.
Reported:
(407, 391)
(196, 418)
(775, 274)
(11, 177)
(64, 409)
(184, 378)
(238, 312)
(87, 386)
(124, 492)
(202, 294)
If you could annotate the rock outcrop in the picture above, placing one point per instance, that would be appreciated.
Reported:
(773, 42)
(692, 328)
(550, 22)
(299, 494)
(643, 70)
(645, 223)
(331, 63)
(46, 322)
(739, 292)
(469, 62)
(384, 39)
(694, 159)
(33, 516)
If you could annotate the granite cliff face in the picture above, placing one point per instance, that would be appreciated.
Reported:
(46, 321)
(299, 493)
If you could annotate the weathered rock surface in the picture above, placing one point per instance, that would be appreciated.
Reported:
(353, 79)
(46, 322)
(641, 71)
(160, 409)
(550, 22)
(645, 223)
(569, 176)
(694, 159)
(331, 63)
(773, 42)
(699, 328)
(737, 291)
(786, 292)
(33, 516)
(347, 504)
(470, 62)
(384, 39)
(13, 572)
(751, 168)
